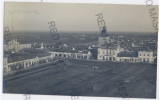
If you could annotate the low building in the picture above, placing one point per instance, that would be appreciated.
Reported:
(72, 55)
(23, 64)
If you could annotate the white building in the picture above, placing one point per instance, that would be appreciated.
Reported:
(109, 53)
(74, 55)
(146, 56)
(15, 46)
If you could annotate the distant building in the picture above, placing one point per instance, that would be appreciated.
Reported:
(15, 46)
(135, 45)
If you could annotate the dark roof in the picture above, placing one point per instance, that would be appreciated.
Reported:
(128, 54)
(140, 49)
(27, 54)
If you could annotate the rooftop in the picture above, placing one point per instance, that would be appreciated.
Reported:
(109, 46)
(128, 54)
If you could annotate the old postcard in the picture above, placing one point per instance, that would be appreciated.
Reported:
(69, 49)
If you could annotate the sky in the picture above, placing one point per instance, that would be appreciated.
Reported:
(77, 17)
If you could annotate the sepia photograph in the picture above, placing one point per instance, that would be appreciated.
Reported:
(76, 49)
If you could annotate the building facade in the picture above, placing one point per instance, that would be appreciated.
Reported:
(109, 54)
(146, 56)
(68, 55)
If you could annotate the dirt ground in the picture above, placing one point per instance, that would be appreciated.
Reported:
(86, 78)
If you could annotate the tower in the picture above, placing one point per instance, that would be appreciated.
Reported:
(103, 38)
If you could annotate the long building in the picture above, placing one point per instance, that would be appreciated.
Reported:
(10, 67)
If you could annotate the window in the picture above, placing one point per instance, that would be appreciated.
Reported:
(64, 55)
(148, 60)
(132, 59)
(103, 58)
(144, 54)
(147, 54)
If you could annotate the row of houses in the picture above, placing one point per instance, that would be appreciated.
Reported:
(24, 64)
(118, 54)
